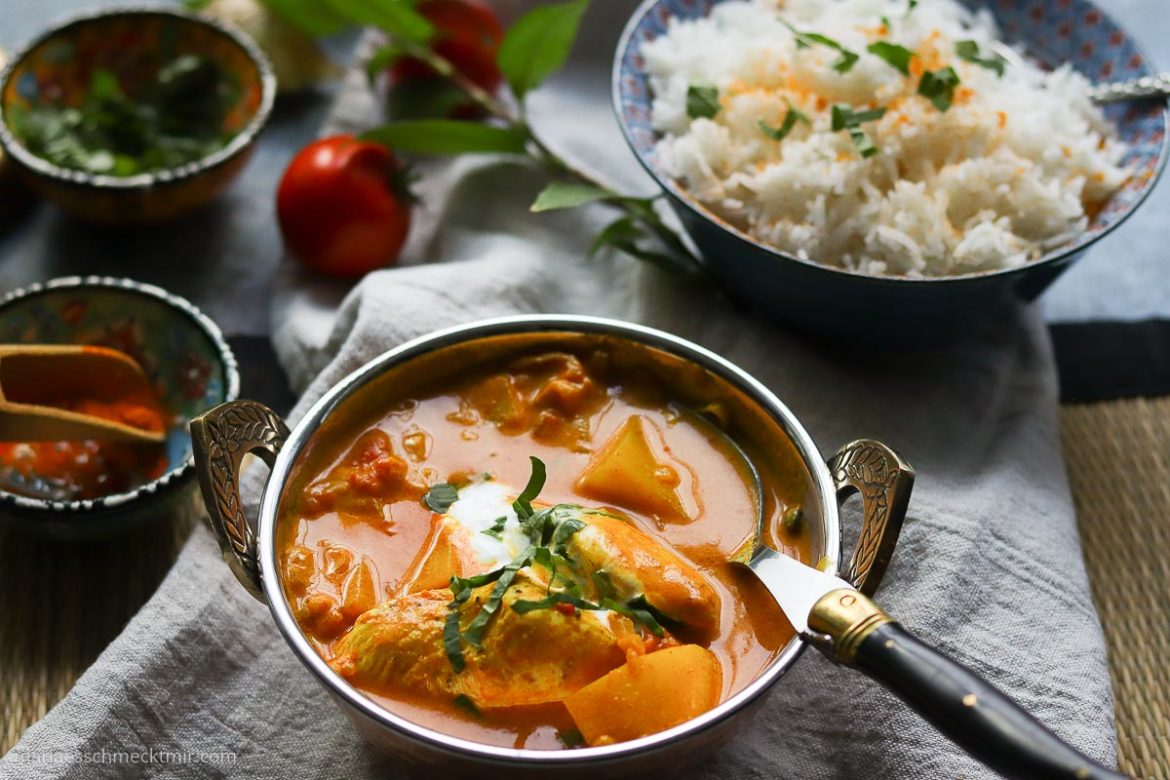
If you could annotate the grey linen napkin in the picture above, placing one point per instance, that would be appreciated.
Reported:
(989, 567)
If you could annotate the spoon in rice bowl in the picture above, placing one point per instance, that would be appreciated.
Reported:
(853, 631)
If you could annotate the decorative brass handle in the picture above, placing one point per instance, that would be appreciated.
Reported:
(221, 437)
(884, 481)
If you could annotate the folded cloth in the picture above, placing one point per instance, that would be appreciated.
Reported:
(989, 566)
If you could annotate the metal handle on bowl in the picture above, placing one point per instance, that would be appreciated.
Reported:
(221, 437)
(884, 482)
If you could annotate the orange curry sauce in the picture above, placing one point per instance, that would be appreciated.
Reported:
(353, 531)
(75, 470)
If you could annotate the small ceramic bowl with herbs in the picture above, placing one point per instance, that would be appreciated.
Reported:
(88, 489)
(132, 115)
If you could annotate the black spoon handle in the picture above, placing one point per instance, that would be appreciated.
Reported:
(963, 706)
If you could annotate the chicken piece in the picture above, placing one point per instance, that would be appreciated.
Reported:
(636, 564)
(537, 657)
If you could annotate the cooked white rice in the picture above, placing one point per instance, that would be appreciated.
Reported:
(997, 180)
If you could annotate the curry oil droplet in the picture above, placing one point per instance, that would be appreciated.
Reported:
(337, 562)
(429, 476)
(403, 410)
(468, 435)
(667, 475)
(417, 444)
(467, 415)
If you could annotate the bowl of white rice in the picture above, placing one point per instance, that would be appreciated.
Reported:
(845, 163)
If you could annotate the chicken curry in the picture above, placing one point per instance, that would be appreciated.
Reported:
(534, 553)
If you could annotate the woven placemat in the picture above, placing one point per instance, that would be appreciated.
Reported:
(61, 604)
(1118, 457)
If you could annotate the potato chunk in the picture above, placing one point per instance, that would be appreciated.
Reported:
(625, 472)
(648, 694)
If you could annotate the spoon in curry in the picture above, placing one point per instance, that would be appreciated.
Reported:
(853, 631)
(36, 381)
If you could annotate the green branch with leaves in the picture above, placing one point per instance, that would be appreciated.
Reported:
(535, 47)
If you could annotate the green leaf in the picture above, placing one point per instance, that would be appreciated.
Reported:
(397, 18)
(642, 617)
(571, 738)
(522, 607)
(793, 116)
(497, 529)
(604, 584)
(702, 101)
(474, 633)
(939, 87)
(805, 40)
(567, 195)
(523, 502)
(624, 233)
(538, 44)
(969, 51)
(452, 639)
(446, 136)
(464, 702)
(440, 497)
(315, 19)
(845, 117)
(897, 56)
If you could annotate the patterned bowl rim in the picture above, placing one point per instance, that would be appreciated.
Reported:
(682, 197)
(242, 140)
(175, 476)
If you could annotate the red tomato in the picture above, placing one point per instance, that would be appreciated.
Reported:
(341, 211)
(468, 35)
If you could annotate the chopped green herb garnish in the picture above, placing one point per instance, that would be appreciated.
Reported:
(571, 738)
(636, 611)
(604, 584)
(897, 56)
(702, 101)
(497, 529)
(911, 6)
(793, 116)
(452, 639)
(464, 702)
(440, 497)
(969, 51)
(174, 118)
(473, 635)
(885, 21)
(939, 87)
(551, 600)
(845, 118)
(805, 40)
(523, 503)
(791, 519)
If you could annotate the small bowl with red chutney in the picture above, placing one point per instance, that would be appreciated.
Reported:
(506, 548)
(87, 489)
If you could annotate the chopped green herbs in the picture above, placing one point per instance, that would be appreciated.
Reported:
(174, 118)
(911, 6)
(897, 56)
(473, 634)
(440, 497)
(793, 116)
(806, 40)
(792, 519)
(497, 529)
(523, 503)
(550, 531)
(464, 702)
(938, 87)
(969, 51)
(571, 738)
(845, 118)
(702, 101)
